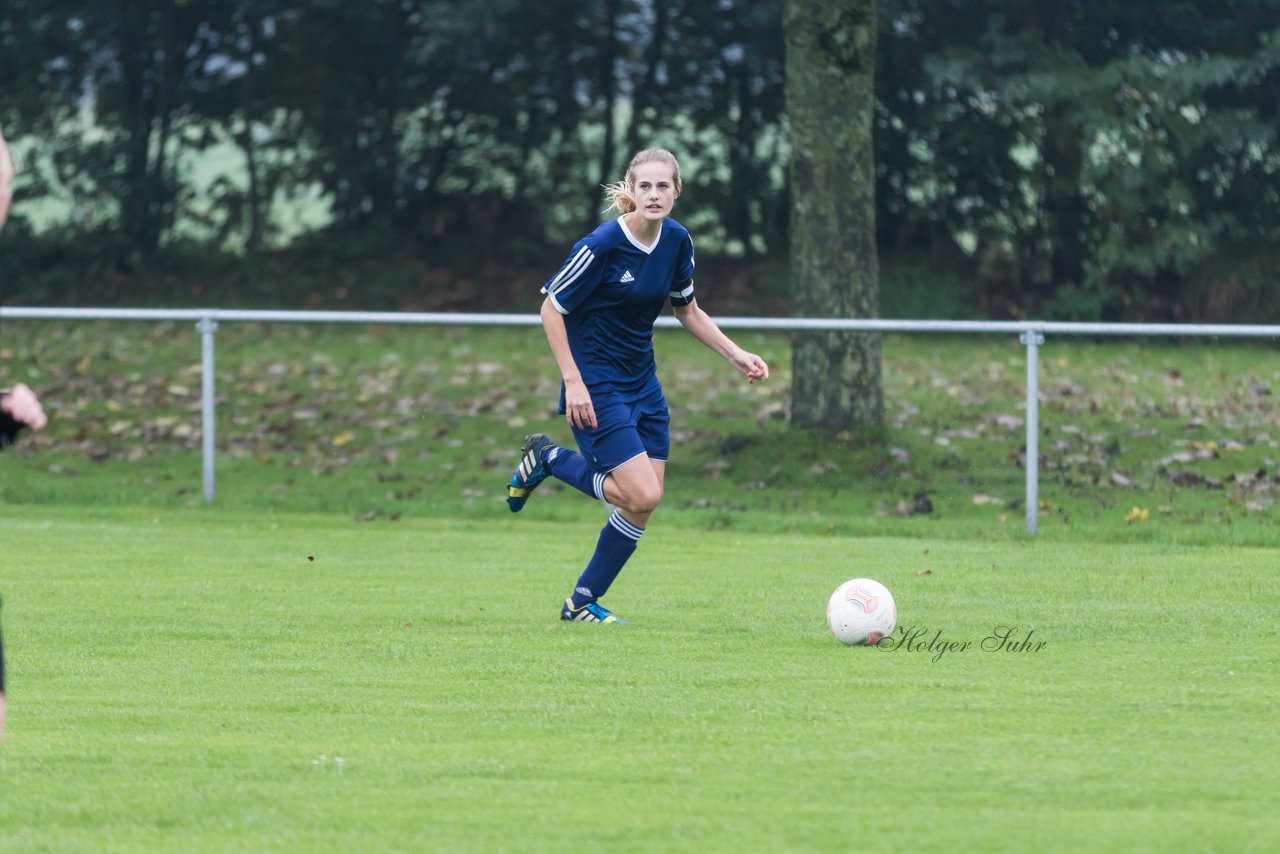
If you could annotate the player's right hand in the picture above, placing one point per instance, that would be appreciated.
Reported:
(578, 410)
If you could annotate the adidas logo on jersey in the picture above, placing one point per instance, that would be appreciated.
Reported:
(627, 277)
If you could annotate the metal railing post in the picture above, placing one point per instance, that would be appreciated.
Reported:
(206, 327)
(1033, 339)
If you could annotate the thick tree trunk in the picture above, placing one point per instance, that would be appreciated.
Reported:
(137, 203)
(830, 59)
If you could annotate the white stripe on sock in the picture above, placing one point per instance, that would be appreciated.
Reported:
(624, 527)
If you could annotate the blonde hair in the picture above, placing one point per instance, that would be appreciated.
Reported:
(620, 195)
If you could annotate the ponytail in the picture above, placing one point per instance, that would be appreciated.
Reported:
(619, 197)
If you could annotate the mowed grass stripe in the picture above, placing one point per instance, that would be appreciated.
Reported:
(177, 677)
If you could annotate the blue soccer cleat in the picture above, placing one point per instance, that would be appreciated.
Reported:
(592, 612)
(531, 471)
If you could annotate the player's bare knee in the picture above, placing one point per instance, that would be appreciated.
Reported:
(645, 500)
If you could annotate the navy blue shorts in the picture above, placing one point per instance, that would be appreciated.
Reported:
(626, 428)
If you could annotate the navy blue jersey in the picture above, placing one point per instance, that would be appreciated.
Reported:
(610, 291)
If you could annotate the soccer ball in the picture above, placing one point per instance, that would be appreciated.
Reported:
(861, 612)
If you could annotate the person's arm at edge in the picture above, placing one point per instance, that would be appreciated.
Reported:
(6, 181)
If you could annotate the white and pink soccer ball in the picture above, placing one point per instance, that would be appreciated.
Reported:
(861, 612)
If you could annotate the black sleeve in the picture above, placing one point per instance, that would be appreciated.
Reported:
(9, 429)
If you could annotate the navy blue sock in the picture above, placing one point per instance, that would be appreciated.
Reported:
(617, 542)
(571, 467)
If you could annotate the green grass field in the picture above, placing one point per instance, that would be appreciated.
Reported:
(213, 682)
(357, 645)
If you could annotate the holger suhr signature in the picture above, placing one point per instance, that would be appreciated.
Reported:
(923, 639)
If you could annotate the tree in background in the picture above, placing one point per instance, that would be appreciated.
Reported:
(836, 376)
(1072, 159)
(1083, 159)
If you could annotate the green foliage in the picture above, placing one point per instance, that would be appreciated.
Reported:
(912, 289)
(1085, 158)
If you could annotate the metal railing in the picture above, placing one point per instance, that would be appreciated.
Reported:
(1030, 332)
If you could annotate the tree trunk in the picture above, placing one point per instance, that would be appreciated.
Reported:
(136, 202)
(830, 59)
(253, 240)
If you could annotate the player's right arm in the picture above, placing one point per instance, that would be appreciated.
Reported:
(568, 289)
(577, 400)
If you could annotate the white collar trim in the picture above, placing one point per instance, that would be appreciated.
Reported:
(648, 250)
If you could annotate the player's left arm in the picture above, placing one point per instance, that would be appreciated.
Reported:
(6, 180)
(702, 327)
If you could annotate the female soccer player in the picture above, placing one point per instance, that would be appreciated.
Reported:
(598, 316)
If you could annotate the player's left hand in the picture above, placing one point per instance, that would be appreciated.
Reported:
(752, 365)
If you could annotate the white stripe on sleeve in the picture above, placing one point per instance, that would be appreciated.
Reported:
(571, 271)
